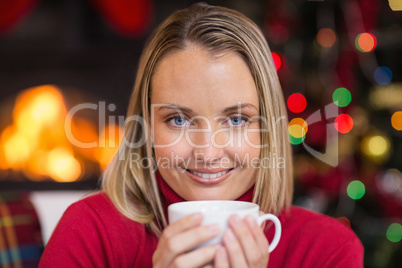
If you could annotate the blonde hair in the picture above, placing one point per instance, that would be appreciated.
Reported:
(133, 189)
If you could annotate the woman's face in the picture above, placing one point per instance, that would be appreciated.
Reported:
(205, 119)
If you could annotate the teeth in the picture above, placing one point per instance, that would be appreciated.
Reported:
(209, 175)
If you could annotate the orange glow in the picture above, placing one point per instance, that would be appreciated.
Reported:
(301, 123)
(17, 149)
(38, 107)
(84, 131)
(36, 143)
(35, 167)
(366, 42)
(396, 120)
(326, 37)
(109, 141)
(62, 166)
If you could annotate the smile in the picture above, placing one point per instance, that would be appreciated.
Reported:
(209, 175)
(209, 178)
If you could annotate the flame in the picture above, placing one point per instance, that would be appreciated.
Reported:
(109, 141)
(29, 144)
(62, 166)
(36, 143)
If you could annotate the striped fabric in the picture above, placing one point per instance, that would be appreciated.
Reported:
(20, 235)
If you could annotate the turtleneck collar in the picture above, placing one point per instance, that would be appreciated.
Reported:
(171, 197)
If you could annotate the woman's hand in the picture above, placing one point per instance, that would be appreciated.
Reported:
(175, 247)
(245, 245)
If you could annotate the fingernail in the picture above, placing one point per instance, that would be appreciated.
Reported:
(251, 221)
(229, 236)
(213, 228)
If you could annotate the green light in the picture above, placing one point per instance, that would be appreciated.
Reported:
(342, 97)
(356, 189)
(296, 141)
(394, 232)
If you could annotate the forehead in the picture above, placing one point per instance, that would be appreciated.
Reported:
(194, 77)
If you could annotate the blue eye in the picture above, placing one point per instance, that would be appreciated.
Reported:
(239, 121)
(177, 121)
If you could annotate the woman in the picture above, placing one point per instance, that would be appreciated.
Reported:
(206, 120)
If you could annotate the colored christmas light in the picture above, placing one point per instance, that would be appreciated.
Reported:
(343, 123)
(394, 232)
(296, 141)
(356, 189)
(326, 37)
(342, 97)
(297, 103)
(365, 42)
(375, 146)
(277, 60)
(396, 120)
(383, 75)
(298, 127)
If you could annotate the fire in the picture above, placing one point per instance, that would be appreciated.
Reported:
(109, 141)
(62, 166)
(35, 144)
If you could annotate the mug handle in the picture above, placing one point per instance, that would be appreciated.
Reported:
(278, 229)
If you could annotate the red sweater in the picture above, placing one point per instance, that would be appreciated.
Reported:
(92, 233)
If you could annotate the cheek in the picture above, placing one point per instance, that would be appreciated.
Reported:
(246, 147)
(171, 150)
(165, 137)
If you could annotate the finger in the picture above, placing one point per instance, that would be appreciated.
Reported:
(247, 241)
(190, 239)
(258, 234)
(183, 224)
(187, 240)
(221, 258)
(234, 251)
(196, 258)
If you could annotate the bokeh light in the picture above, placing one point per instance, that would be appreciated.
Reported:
(356, 189)
(297, 103)
(277, 60)
(342, 97)
(296, 141)
(395, 5)
(376, 146)
(396, 120)
(394, 232)
(343, 123)
(297, 130)
(383, 75)
(326, 37)
(298, 127)
(365, 42)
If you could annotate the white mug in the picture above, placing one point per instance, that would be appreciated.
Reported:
(219, 211)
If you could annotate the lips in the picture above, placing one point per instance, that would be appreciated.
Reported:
(209, 178)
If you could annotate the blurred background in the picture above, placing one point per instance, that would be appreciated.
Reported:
(70, 64)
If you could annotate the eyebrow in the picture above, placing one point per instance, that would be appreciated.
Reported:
(227, 109)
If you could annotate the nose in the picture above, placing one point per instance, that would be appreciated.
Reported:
(208, 145)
